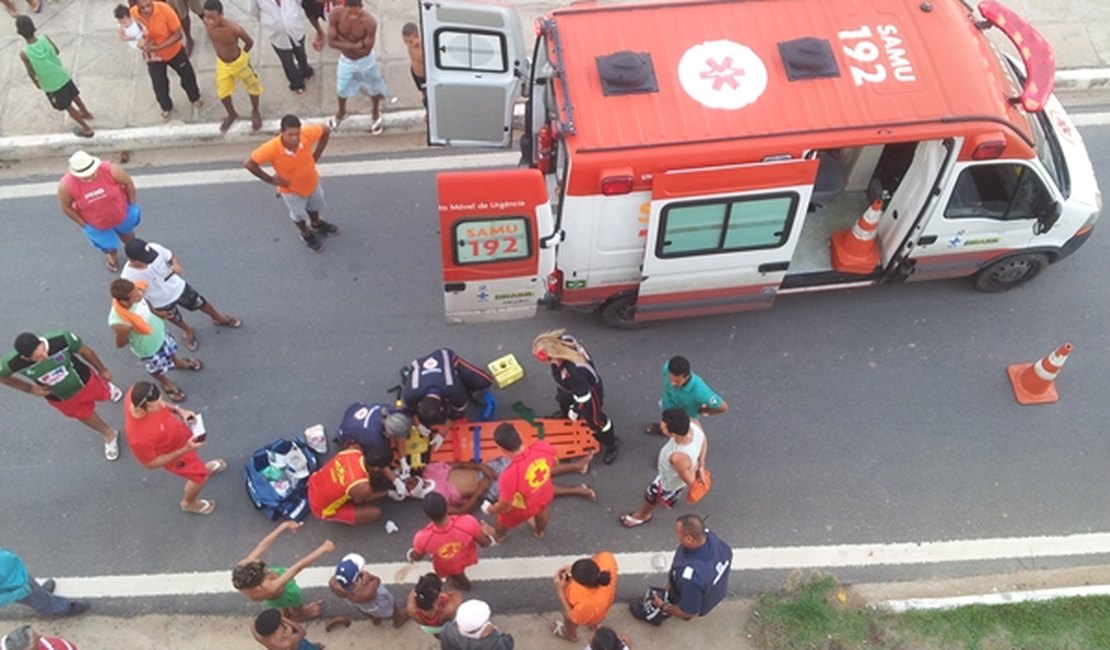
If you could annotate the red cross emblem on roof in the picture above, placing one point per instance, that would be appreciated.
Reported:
(722, 73)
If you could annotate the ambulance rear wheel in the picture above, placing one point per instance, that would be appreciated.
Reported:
(619, 311)
(1009, 273)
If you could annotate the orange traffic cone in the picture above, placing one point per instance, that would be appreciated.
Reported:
(855, 250)
(1034, 382)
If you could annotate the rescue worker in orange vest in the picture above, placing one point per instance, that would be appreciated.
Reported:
(340, 490)
(579, 390)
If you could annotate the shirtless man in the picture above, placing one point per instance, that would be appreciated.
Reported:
(232, 63)
(352, 31)
(410, 34)
(464, 484)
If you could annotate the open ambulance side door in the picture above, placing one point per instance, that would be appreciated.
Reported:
(493, 228)
(721, 239)
(474, 61)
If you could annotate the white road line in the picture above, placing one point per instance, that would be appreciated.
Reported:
(208, 178)
(1005, 598)
(543, 567)
(1090, 119)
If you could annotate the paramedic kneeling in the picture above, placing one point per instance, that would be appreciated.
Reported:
(340, 490)
(698, 578)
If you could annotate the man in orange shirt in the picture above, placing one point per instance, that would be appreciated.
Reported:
(293, 158)
(162, 48)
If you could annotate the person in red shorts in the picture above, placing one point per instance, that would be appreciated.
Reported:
(525, 485)
(158, 436)
(451, 540)
(61, 368)
(340, 490)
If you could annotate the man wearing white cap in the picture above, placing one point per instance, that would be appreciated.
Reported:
(100, 198)
(353, 582)
(472, 630)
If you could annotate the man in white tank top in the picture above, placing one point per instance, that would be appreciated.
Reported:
(681, 460)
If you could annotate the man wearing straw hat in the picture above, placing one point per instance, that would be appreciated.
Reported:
(100, 198)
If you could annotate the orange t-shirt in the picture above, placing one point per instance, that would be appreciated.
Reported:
(590, 605)
(163, 22)
(299, 166)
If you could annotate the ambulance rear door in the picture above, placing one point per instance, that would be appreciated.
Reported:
(496, 243)
(474, 62)
(721, 239)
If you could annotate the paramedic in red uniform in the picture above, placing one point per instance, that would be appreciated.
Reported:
(579, 390)
(340, 490)
(439, 385)
(526, 487)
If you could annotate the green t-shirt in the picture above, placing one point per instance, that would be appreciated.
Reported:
(291, 596)
(691, 397)
(46, 64)
(143, 345)
(61, 371)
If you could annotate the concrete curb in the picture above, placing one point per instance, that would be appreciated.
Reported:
(1002, 598)
(397, 122)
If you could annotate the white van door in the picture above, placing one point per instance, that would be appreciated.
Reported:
(474, 61)
(720, 240)
(988, 210)
(910, 198)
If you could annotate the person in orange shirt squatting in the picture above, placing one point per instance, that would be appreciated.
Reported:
(526, 486)
(451, 540)
(163, 49)
(586, 590)
(159, 436)
(293, 154)
(340, 490)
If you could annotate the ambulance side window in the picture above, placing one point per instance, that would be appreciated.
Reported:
(471, 50)
(496, 239)
(1002, 191)
(706, 227)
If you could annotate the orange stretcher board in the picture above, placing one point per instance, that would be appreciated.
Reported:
(570, 438)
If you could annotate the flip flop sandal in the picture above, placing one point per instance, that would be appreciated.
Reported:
(560, 630)
(112, 266)
(378, 126)
(166, 116)
(216, 466)
(232, 322)
(176, 396)
(80, 133)
(193, 364)
(191, 344)
(628, 521)
(206, 508)
(111, 449)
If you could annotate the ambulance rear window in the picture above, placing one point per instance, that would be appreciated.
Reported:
(707, 227)
(496, 239)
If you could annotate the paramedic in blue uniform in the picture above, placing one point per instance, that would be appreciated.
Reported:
(578, 388)
(698, 579)
(379, 432)
(439, 385)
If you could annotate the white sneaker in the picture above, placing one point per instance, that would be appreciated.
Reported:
(111, 449)
(115, 392)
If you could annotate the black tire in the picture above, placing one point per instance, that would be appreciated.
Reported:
(1010, 273)
(618, 313)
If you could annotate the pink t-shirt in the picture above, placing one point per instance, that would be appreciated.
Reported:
(453, 548)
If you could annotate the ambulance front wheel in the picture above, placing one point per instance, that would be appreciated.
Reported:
(1011, 272)
(619, 312)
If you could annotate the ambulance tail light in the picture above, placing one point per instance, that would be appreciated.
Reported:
(616, 181)
(555, 283)
(1036, 54)
(988, 146)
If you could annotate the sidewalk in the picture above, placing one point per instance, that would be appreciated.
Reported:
(115, 85)
(724, 627)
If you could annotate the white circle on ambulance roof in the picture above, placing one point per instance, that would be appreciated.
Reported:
(722, 74)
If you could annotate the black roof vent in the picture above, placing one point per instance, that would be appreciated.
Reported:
(808, 58)
(626, 73)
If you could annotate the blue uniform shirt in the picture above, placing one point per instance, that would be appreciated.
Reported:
(699, 577)
(691, 397)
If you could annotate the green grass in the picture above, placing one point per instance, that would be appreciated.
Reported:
(808, 615)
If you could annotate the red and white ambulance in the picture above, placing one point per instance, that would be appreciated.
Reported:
(694, 157)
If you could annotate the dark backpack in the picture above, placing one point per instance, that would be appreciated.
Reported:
(294, 505)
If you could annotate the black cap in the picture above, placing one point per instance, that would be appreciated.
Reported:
(140, 251)
(26, 344)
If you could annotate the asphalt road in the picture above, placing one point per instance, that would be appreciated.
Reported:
(880, 415)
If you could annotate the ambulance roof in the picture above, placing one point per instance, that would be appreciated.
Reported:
(720, 69)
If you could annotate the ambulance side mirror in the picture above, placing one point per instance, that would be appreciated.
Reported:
(1047, 216)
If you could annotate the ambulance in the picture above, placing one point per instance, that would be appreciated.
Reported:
(694, 157)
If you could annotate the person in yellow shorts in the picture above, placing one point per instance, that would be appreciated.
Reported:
(233, 63)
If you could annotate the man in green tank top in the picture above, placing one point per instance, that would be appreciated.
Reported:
(57, 365)
(40, 57)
